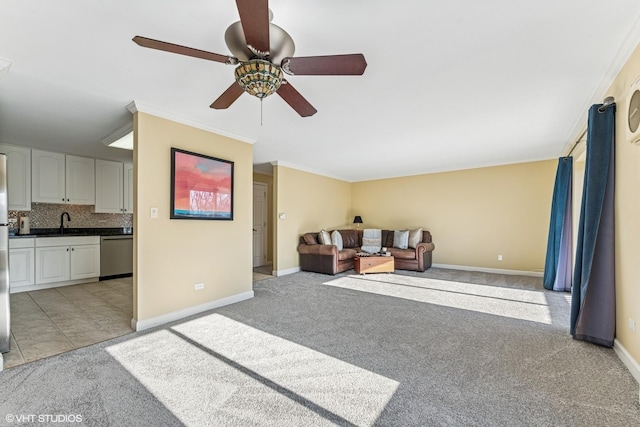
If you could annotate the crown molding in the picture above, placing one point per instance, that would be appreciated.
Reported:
(137, 106)
(620, 59)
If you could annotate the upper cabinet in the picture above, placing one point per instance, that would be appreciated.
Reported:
(60, 178)
(80, 180)
(114, 187)
(18, 177)
(128, 188)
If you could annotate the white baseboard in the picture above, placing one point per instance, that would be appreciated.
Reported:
(490, 270)
(141, 325)
(285, 272)
(627, 359)
(632, 365)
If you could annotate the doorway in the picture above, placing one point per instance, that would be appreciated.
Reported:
(259, 224)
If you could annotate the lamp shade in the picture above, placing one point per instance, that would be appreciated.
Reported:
(357, 219)
(259, 77)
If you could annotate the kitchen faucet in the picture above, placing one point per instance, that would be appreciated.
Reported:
(62, 221)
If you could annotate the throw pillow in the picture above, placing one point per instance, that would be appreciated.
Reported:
(336, 239)
(371, 240)
(415, 237)
(310, 239)
(401, 239)
(324, 237)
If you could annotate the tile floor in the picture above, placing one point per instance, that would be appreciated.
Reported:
(261, 273)
(52, 321)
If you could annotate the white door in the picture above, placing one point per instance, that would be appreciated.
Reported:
(259, 223)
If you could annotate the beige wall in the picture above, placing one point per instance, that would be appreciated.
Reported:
(310, 202)
(627, 213)
(171, 256)
(474, 215)
(268, 179)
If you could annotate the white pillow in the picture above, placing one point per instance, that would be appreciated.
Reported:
(401, 239)
(415, 237)
(324, 237)
(336, 239)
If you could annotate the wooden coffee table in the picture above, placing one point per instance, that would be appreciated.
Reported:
(374, 264)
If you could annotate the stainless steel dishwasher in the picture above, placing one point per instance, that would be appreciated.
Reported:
(116, 255)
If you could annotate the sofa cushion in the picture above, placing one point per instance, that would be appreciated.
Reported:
(401, 239)
(324, 237)
(350, 238)
(403, 253)
(310, 238)
(336, 239)
(387, 238)
(346, 254)
(415, 237)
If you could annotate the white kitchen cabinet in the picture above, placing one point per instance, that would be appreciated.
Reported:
(52, 264)
(114, 187)
(128, 188)
(21, 263)
(60, 259)
(80, 180)
(84, 262)
(60, 178)
(18, 177)
(48, 175)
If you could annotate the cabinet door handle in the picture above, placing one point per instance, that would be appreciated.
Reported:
(67, 249)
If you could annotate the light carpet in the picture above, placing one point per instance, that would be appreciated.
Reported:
(405, 349)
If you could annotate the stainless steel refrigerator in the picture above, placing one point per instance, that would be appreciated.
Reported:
(5, 315)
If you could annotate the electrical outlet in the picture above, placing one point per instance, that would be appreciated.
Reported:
(499, 257)
(13, 220)
(632, 325)
(199, 286)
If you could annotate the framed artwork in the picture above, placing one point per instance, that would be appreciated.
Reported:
(201, 186)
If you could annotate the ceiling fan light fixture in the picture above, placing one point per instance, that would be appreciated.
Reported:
(258, 77)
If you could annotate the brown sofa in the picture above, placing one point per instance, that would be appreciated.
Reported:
(329, 260)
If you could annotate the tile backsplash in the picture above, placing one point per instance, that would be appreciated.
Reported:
(47, 215)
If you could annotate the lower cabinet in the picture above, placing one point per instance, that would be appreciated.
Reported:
(60, 259)
(21, 263)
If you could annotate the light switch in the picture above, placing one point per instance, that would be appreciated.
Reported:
(154, 213)
(282, 216)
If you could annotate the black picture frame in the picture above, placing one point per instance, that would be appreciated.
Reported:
(201, 186)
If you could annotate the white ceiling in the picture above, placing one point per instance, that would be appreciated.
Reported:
(449, 85)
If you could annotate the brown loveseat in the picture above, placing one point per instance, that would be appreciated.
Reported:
(329, 260)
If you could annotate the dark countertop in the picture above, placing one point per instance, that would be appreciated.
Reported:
(70, 232)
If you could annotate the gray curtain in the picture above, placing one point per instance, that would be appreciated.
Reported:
(593, 303)
(557, 266)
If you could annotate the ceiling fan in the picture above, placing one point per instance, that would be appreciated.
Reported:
(263, 51)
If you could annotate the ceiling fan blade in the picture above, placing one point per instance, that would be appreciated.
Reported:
(336, 65)
(295, 100)
(254, 16)
(183, 50)
(229, 96)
